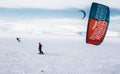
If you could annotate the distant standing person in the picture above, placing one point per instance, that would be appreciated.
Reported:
(40, 48)
(18, 39)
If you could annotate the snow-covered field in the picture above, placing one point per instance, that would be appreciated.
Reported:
(66, 51)
(63, 55)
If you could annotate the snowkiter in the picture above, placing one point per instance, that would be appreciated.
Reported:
(40, 48)
(18, 39)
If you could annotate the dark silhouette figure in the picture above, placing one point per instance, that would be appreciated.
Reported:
(40, 48)
(18, 39)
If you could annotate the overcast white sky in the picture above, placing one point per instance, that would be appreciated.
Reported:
(56, 4)
(48, 6)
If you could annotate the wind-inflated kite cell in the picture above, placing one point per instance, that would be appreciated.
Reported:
(97, 23)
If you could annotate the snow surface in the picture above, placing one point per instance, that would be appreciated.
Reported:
(64, 54)
(61, 26)
(66, 51)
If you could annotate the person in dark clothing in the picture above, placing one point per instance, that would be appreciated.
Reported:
(18, 39)
(40, 48)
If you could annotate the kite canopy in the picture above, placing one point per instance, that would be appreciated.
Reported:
(97, 23)
(100, 12)
(84, 14)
